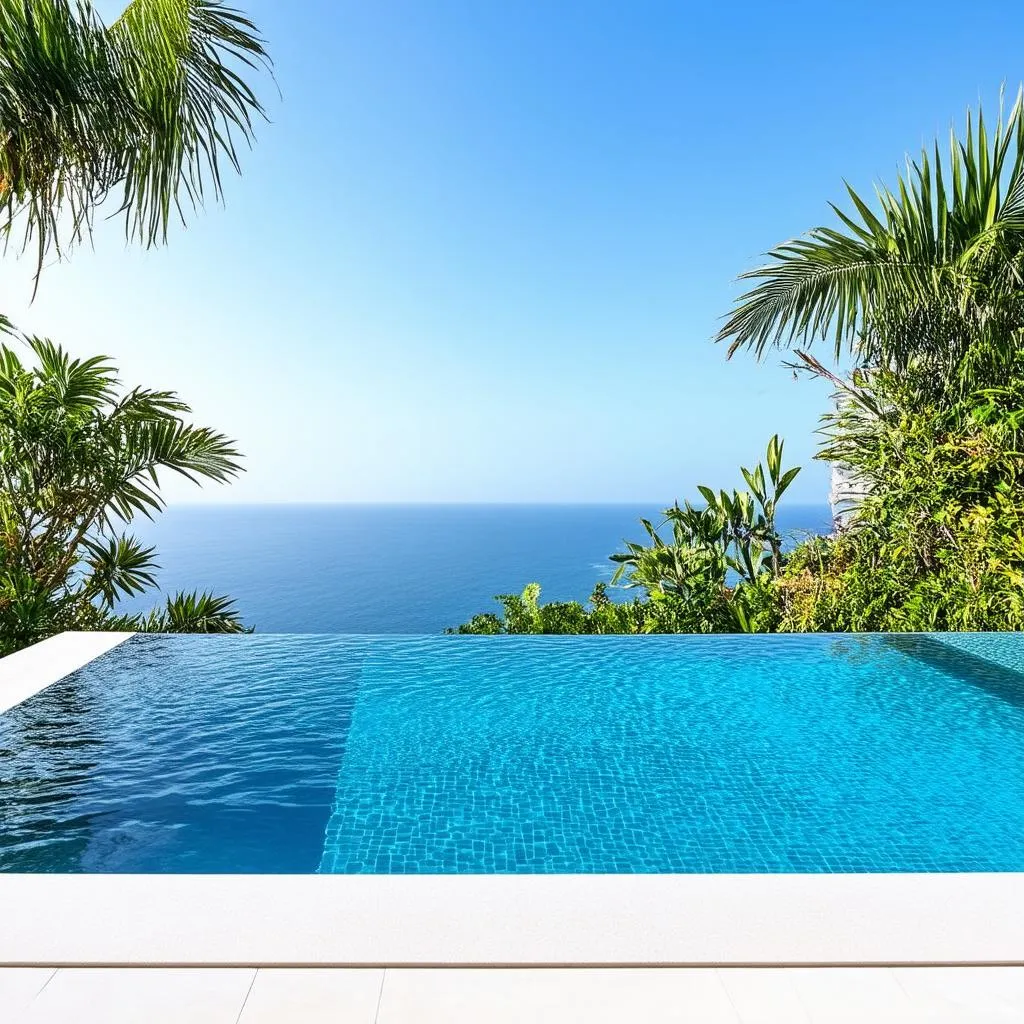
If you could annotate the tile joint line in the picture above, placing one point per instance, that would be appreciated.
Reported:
(248, 991)
(380, 995)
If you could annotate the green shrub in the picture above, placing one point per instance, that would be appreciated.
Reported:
(80, 458)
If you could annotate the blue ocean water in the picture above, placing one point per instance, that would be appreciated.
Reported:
(522, 754)
(395, 568)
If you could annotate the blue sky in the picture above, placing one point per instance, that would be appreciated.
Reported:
(481, 250)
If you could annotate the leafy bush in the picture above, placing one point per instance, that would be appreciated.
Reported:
(524, 614)
(938, 542)
(709, 576)
(79, 459)
(925, 295)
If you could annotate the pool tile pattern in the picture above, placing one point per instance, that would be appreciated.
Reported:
(676, 755)
(522, 754)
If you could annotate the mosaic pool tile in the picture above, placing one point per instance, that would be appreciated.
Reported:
(533, 754)
(996, 648)
(676, 754)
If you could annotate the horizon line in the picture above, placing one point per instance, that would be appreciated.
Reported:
(446, 503)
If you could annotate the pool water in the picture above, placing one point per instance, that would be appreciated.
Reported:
(532, 754)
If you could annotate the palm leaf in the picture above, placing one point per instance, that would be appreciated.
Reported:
(935, 265)
(147, 111)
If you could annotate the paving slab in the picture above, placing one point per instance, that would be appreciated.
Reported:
(313, 995)
(154, 996)
(555, 996)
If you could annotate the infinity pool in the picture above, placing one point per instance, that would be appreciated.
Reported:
(534, 754)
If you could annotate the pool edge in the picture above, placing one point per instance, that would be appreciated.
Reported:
(512, 920)
(31, 670)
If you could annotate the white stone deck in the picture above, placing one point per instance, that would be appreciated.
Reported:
(397, 950)
(877, 995)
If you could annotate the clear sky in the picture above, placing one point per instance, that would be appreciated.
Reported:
(481, 250)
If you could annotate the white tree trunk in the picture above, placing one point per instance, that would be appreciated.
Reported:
(845, 491)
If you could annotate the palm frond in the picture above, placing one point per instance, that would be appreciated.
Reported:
(151, 108)
(119, 566)
(188, 613)
(918, 273)
(180, 61)
(75, 385)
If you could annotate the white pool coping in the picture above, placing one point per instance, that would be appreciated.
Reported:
(512, 920)
(25, 673)
(490, 920)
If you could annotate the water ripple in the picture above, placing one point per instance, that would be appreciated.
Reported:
(532, 754)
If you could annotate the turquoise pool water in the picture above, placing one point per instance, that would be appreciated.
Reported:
(534, 754)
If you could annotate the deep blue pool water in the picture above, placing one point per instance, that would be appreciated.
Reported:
(534, 754)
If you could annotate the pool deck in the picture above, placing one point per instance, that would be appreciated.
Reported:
(909, 995)
(480, 948)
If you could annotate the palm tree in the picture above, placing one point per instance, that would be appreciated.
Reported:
(143, 113)
(80, 458)
(931, 285)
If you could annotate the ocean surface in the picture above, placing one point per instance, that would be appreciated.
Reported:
(394, 568)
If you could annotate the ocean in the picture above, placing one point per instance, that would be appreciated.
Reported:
(394, 568)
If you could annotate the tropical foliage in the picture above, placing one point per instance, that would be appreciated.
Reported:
(924, 291)
(145, 112)
(523, 613)
(938, 542)
(931, 283)
(709, 574)
(138, 117)
(80, 458)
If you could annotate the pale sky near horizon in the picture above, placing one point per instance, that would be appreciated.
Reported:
(481, 249)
